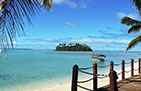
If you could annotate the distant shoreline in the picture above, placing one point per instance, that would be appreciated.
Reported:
(22, 49)
(73, 47)
(73, 51)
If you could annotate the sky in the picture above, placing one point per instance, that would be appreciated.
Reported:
(93, 22)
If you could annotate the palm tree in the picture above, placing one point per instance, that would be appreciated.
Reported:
(135, 25)
(13, 14)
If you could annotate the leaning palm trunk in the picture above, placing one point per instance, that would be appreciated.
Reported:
(14, 13)
(134, 42)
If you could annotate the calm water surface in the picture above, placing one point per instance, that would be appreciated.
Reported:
(31, 66)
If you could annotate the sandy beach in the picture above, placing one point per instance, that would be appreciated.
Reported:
(59, 45)
(66, 86)
(101, 82)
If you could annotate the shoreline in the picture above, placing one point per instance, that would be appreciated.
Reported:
(101, 82)
(66, 84)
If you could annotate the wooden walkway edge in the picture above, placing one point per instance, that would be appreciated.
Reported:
(129, 84)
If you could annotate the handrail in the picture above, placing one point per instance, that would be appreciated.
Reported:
(117, 64)
(113, 75)
(127, 62)
(85, 72)
(119, 73)
(86, 68)
(128, 71)
(105, 75)
(136, 69)
(136, 61)
(103, 66)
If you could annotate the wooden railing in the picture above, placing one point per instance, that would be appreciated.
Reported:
(113, 75)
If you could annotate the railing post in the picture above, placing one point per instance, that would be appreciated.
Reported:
(111, 66)
(139, 65)
(113, 80)
(132, 67)
(74, 78)
(123, 69)
(95, 76)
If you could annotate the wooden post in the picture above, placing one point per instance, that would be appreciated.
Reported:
(123, 69)
(111, 66)
(74, 78)
(139, 65)
(113, 80)
(132, 67)
(95, 76)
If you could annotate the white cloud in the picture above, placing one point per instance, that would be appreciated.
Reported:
(73, 3)
(70, 3)
(71, 24)
(96, 44)
(83, 3)
(82, 40)
(59, 1)
(120, 15)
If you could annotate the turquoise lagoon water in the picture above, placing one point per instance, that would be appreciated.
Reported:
(33, 66)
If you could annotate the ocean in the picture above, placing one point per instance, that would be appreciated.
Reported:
(23, 67)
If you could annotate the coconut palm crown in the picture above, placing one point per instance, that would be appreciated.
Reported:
(135, 25)
(13, 14)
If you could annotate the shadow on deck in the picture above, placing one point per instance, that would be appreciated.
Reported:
(129, 84)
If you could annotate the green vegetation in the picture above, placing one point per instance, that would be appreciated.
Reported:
(73, 47)
(135, 25)
(14, 14)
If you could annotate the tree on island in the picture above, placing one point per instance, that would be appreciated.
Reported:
(14, 13)
(73, 47)
(135, 25)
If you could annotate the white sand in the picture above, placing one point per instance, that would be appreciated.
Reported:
(101, 82)
(66, 86)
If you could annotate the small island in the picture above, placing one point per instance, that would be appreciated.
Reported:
(73, 47)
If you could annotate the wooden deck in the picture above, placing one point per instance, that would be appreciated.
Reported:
(130, 84)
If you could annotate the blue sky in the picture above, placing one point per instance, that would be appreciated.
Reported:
(93, 22)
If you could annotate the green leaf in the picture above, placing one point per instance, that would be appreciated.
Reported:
(134, 42)
(14, 13)
(137, 4)
(47, 3)
(135, 28)
(129, 21)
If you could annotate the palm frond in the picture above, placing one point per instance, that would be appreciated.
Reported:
(134, 42)
(14, 13)
(137, 4)
(129, 21)
(47, 3)
(135, 28)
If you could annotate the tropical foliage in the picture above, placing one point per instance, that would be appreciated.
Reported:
(73, 47)
(135, 25)
(14, 14)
